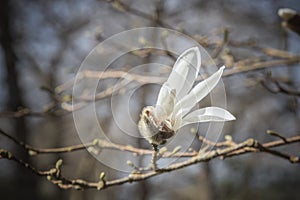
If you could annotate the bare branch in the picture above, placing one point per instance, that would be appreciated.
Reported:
(225, 149)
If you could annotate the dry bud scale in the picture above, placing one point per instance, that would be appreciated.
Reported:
(176, 98)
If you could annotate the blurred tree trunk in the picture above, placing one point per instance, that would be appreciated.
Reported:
(206, 192)
(14, 97)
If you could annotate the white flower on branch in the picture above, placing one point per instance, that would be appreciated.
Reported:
(176, 98)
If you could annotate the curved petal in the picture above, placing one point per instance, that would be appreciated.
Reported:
(208, 114)
(197, 93)
(185, 71)
(165, 102)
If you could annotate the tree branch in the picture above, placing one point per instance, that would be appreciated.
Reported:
(221, 150)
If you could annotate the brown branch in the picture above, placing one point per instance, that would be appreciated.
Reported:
(267, 145)
(33, 150)
(55, 176)
(97, 143)
(215, 144)
(277, 53)
(238, 69)
(273, 133)
(242, 66)
(286, 90)
(279, 88)
(21, 113)
(224, 150)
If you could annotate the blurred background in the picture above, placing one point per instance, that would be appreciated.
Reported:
(43, 44)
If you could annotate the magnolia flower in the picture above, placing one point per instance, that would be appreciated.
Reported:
(176, 98)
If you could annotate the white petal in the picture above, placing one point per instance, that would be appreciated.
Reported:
(208, 114)
(185, 71)
(177, 122)
(197, 93)
(165, 102)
